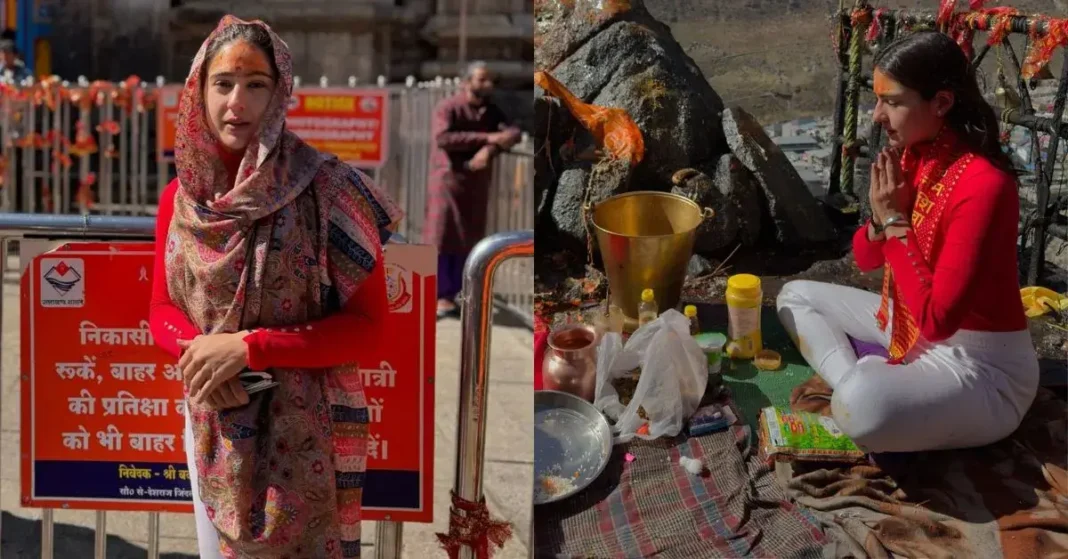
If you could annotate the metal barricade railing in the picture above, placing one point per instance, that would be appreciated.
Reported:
(511, 208)
(92, 148)
(476, 322)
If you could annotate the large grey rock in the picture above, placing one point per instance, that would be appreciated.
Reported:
(550, 137)
(612, 53)
(644, 72)
(562, 26)
(862, 186)
(798, 217)
(734, 194)
(567, 218)
(721, 230)
(698, 266)
(742, 191)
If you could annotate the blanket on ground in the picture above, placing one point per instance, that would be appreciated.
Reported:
(651, 507)
(1007, 499)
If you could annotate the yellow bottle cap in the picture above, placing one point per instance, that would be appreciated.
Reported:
(690, 311)
(647, 295)
(746, 285)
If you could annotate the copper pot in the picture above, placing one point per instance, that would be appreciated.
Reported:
(570, 364)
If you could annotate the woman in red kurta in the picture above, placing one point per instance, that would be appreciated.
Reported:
(962, 370)
(269, 257)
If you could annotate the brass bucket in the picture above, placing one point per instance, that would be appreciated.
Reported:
(646, 241)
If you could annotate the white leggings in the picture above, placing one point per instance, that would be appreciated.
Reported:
(207, 536)
(969, 390)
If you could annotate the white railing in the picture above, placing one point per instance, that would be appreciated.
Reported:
(46, 167)
(92, 148)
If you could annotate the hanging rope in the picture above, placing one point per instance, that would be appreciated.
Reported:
(859, 21)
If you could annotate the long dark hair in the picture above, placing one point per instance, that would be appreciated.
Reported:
(929, 62)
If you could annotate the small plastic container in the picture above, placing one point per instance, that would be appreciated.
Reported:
(647, 311)
(691, 313)
(744, 296)
(712, 344)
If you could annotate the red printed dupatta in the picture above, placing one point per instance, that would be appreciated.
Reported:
(291, 242)
(936, 175)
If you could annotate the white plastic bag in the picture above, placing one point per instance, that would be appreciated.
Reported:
(673, 378)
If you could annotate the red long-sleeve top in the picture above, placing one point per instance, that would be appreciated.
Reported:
(321, 343)
(970, 281)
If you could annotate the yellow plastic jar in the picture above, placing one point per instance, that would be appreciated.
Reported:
(744, 297)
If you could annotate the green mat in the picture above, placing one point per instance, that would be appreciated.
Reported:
(751, 388)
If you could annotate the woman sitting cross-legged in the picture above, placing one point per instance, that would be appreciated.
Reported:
(962, 369)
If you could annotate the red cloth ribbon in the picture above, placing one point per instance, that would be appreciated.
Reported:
(470, 524)
(541, 343)
(1042, 48)
(876, 28)
(945, 13)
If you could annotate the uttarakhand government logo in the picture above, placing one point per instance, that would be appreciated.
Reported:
(63, 284)
(398, 285)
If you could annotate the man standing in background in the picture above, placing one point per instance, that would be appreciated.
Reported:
(11, 66)
(469, 132)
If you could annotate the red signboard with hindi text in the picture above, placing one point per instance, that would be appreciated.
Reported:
(102, 423)
(352, 124)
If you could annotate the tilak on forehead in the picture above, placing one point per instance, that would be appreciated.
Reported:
(883, 85)
(240, 57)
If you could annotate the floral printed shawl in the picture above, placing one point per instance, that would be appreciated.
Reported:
(289, 243)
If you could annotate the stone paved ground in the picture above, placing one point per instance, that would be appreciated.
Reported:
(509, 459)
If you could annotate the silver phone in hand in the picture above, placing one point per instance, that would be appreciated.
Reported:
(256, 381)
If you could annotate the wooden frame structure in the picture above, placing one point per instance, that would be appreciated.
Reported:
(852, 25)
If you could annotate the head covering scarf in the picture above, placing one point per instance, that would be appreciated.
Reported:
(290, 242)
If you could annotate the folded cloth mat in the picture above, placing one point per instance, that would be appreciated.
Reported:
(1007, 499)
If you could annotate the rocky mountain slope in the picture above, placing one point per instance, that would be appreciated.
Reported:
(775, 57)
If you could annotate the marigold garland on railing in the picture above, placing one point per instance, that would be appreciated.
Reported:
(128, 96)
(1046, 33)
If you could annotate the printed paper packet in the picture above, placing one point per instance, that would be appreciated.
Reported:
(788, 435)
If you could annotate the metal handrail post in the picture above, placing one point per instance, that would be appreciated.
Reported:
(476, 320)
(389, 539)
(67, 225)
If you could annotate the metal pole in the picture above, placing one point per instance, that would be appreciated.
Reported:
(100, 540)
(48, 533)
(3, 268)
(153, 535)
(389, 539)
(462, 52)
(29, 161)
(843, 29)
(142, 156)
(530, 550)
(1038, 244)
(476, 320)
(9, 153)
(1028, 108)
(66, 225)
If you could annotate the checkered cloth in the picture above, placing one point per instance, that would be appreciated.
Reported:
(653, 507)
